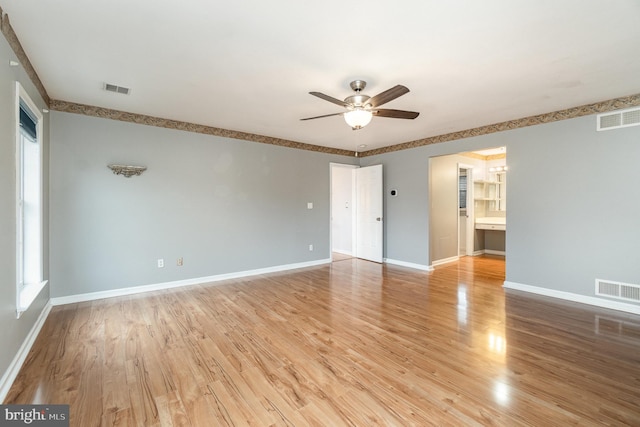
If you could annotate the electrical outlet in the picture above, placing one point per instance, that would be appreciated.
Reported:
(310, 205)
(180, 262)
(160, 263)
(311, 247)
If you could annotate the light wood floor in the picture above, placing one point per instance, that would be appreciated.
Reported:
(351, 343)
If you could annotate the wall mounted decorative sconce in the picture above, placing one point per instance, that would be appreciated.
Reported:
(127, 170)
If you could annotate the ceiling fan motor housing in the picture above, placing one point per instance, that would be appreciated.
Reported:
(358, 85)
(359, 99)
(356, 101)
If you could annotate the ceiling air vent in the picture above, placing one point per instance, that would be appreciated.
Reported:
(621, 291)
(117, 89)
(619, 119)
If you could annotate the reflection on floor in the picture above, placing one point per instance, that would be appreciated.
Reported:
(336, 256)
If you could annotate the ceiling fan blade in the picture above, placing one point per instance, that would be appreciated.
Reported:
(326, 115)
(395, 114)
(388, 95)
(329, 98)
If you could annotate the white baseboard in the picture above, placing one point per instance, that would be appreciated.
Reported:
(599, 302)
(14, 367)
(492, 252)
(489, 252)
(445, 260)
(180, 283)
(408, 264)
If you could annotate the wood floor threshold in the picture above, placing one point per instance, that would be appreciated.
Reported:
(352, 343)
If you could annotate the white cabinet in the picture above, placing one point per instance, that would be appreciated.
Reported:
(491, 223)
(490, 195)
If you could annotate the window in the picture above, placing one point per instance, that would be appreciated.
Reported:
(29, 272)
(462, 188)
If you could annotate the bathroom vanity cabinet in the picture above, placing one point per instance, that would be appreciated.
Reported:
(490, 206)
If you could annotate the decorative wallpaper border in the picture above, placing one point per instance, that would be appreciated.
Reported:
(570, 113)
(70, 107)
(107, 113)
(14, 43)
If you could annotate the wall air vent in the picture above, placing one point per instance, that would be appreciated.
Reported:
(117, 89)
(617, 290)
(619, 119)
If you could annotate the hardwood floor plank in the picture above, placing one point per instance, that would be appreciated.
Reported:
(141, 395)
(351, 343)
(226, 410)
(120, 418)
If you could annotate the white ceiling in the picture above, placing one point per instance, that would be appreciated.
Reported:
(249, 65)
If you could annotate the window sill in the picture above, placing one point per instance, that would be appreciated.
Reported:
(27, 295)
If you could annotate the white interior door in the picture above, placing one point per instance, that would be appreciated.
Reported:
(466, 229)
(369, 240)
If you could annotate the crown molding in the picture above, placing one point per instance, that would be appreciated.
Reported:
(570, 113)
(107, 113)
(14, 43)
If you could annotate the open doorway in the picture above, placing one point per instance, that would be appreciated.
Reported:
(343, 219)
(467, 205)
(356, 212)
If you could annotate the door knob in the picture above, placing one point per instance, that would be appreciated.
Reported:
(378, 219)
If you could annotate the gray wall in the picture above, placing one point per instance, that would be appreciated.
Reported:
(407, 216)
(14, 331)
(573, 201)
(494, 240)
(223, 205)
(443, 191)
(443, 202)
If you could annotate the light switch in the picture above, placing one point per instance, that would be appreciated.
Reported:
(309, 205)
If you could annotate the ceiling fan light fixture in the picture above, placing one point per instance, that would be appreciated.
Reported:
(358, 118)
(360, 108)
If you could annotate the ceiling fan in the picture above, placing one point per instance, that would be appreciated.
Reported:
(360, 108)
